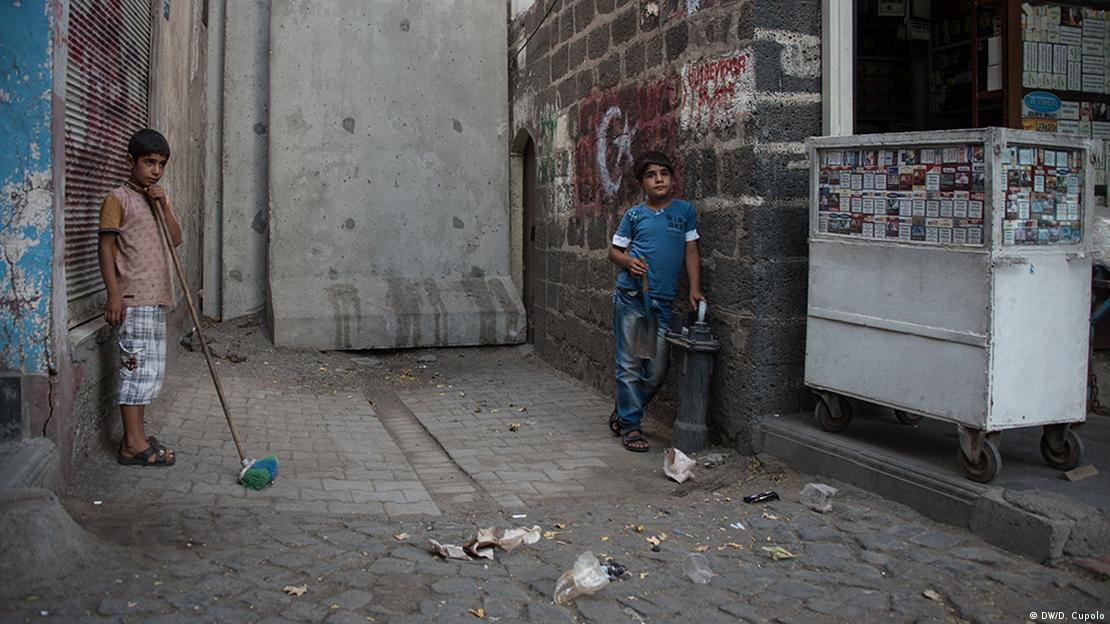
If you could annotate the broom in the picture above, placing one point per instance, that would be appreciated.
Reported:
(256, 473)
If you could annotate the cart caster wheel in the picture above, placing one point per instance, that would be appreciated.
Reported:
(1070, 456)
(986, 469)
(833, 412)
(907, 418)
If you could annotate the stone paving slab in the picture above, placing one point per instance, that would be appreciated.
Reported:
(526, 433)
(334, 455)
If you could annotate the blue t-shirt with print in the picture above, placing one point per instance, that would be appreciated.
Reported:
(658, 238)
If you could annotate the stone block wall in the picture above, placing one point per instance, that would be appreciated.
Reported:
(730, 89)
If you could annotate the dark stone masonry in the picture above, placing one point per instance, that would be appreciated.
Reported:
(731, 90)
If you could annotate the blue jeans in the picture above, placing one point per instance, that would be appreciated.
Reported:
(637, 379)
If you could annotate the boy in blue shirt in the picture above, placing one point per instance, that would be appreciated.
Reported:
(657, 238)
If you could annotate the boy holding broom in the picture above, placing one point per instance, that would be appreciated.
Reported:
(135, 266)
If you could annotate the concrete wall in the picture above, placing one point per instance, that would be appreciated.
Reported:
(245, 140)
(389, 221)
(177, 109)
(730, 88)
(26, 186)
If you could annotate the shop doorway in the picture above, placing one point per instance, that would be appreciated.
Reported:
(934, 64)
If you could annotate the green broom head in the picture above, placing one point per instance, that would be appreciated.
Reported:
(260, 473)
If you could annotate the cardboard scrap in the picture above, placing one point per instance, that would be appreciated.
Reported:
(483, 545)
(449, 551)
(678, 466)
(1082, 472)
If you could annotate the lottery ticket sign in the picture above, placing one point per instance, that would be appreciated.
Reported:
(929, 194)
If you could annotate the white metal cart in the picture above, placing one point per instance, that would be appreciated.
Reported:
(949, 278)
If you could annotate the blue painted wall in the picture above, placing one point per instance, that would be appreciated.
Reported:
(26, 185)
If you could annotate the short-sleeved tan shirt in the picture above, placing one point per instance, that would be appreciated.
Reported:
(142, 259)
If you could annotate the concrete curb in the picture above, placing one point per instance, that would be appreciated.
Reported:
(1003, 518)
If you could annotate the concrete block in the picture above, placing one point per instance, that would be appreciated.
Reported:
(598, 41)
(1008, 526)
(245, 219)
(370, 180)
(677, 38)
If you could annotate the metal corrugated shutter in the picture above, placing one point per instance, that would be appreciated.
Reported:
(107, 84)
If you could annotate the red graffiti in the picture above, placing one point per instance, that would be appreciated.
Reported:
(715, 81)
(613, 127)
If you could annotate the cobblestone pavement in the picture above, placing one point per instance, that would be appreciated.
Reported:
(398, 452)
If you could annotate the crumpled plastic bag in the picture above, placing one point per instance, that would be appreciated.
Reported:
(585, 578)
(678, 466)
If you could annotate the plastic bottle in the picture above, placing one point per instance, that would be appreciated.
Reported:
(585, 578)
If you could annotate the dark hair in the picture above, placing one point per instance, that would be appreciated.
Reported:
(146, 142)
(651, 158)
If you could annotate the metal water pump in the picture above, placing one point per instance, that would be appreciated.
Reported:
(698, 347)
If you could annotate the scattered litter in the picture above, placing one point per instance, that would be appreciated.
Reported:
(550, 534)
(514, 426)
(696, 566)
(605, 538)
(98, 502)
(817, 496)
(680, 532)
(639, 528)
(712, 459)
(737, 525)
(483, 544)
(522, 409)
(655, 541)
(586, 578)
(400, 537)
(560, 525)
(769, 495)
(1081, 472)
(732, 545)
(644, 575)
(449, 551)
(614, 569)
(677, 465)
(295, 590)
(519, 516)
(701, 548)
(931, 594)
(778, 552)
(477, 409)
(44, 613)
(479, 613)
(770, 516)
(323, 370)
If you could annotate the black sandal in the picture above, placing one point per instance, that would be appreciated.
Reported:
(633, 440)
(615, 423)
(141, 459)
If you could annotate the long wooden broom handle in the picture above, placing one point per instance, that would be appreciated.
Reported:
(196, 323)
